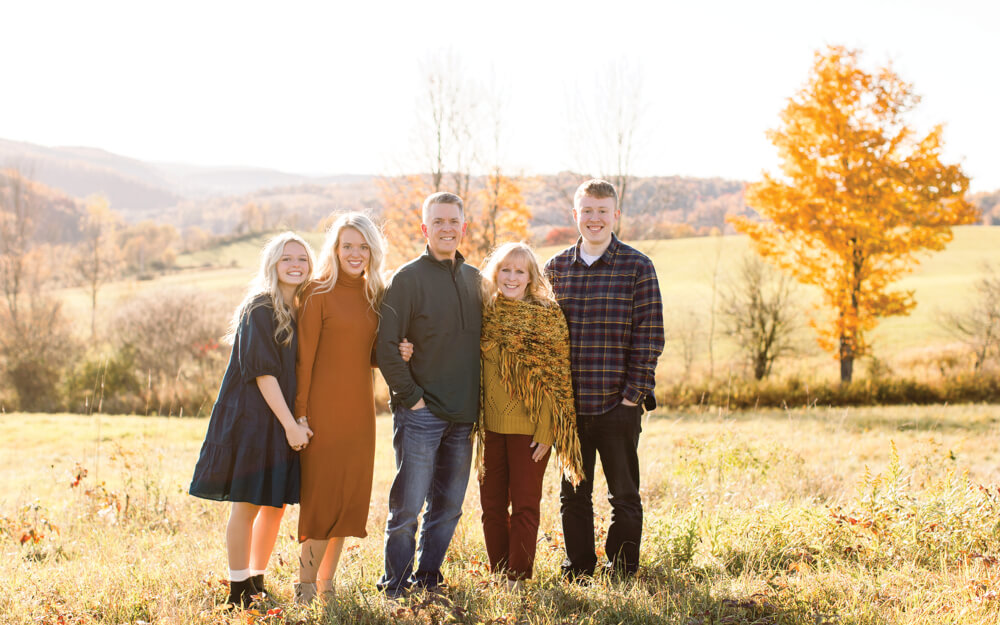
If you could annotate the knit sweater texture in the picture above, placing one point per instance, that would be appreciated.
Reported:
(504, 414)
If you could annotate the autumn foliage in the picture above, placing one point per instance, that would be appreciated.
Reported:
(402, 198)
(499, 214)
(496, 212)
(859, 196)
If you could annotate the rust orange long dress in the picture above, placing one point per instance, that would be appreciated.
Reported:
(335, 391)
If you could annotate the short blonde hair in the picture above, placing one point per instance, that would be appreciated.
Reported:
(595, 188)
(539, 289)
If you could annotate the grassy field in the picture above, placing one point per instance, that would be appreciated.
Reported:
(816, 516)
(906, 347)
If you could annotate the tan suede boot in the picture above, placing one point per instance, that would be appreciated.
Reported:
(305, 592)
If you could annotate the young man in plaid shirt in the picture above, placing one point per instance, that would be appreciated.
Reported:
(611, 298)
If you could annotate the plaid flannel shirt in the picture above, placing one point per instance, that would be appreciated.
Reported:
(615, 317)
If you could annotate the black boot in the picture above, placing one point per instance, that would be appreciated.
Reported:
(258, 584)
(240, 593)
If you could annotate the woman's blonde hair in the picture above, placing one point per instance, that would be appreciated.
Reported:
(329, 266)
(266, 283)
(539, 290)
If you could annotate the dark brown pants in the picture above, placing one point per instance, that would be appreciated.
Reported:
(511, 479)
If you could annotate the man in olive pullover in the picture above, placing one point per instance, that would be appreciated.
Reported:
(434, 301)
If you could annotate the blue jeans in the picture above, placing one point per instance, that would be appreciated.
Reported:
(433, 460)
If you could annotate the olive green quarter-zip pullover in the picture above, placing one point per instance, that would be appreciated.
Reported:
(437, 306)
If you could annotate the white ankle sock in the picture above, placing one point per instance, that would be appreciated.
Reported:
(239, 576)
(257, 572)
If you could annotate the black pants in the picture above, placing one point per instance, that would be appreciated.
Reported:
(614, 435)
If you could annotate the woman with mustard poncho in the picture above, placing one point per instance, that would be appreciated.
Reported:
(526, 408)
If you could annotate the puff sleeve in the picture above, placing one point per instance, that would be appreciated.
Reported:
(258, 351)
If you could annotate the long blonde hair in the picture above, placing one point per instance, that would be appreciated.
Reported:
(539, 289)
(329, 266)
(266, 283)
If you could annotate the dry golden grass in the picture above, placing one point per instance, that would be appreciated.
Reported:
(762, 517)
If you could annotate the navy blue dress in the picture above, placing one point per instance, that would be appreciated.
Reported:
(245, 456)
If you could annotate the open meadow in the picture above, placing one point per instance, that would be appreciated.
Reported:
(942, 282)
(805, 516)
(814, 516)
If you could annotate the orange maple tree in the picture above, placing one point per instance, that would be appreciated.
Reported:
(499, 214)
(860, 195)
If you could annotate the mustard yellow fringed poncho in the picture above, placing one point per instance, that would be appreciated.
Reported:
(533, 356)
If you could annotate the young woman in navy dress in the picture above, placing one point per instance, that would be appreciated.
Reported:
(250, 454)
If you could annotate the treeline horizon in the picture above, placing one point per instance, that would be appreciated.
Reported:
(657, 207)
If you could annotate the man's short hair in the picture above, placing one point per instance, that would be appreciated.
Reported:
(597, 189)
(442, 197)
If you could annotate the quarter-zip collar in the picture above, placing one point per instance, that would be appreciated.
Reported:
(451, 267)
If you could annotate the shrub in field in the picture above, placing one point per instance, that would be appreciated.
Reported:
(105, 383)
(671, 543)
(903, 517)
(36, 348)
(174, 336)
(979, 387)
(29, 525)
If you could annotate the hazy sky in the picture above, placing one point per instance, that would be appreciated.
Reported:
(332, 87)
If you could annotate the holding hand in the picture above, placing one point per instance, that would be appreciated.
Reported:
(540, 451)
(405, 350)
(298, 434)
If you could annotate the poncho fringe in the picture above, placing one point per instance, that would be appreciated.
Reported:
(533, 359)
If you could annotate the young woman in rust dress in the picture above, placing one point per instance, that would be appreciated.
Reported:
(335, 397)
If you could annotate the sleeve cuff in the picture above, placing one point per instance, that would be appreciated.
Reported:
(412, 398)
(250, 376)
(544, 440)
(633, 395)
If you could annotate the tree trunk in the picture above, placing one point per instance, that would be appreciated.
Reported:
(846, 359)
(93, 313)
(760, 367)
